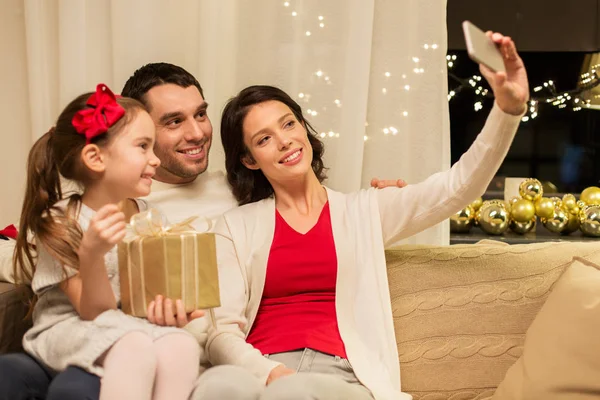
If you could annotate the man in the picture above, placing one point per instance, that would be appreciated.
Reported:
(182, 187)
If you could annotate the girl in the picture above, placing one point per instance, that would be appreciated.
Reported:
(106, 145)
(305, 299)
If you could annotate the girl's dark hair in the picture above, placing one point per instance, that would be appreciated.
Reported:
(249, 185)
(58, 153)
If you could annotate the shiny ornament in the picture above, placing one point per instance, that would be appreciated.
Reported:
(531, 189)
(591, 196)
(522, 227)
(574, 211)
(544, 207)
(557, 202)
(573, 224)
(462, 221)
(509, 203)
(494, 217)
(493, 202)
(522, 210)
(569, 201)
(477, 217)
(557, 222)
(477, 203)
(589, 217)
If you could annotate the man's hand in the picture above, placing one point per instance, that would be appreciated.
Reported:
(107, 228)
(161, 312)
(383, 183)
(278, 372)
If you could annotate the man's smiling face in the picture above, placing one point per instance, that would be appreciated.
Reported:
(183, 132)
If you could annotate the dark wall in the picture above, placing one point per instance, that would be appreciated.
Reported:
(535, 25)
(553, 37)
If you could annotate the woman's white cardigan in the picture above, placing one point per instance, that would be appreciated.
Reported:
(363, 224)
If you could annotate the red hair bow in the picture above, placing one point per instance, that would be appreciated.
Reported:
(103, 113)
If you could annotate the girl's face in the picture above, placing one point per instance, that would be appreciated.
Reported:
(277, 142)
(130, 162)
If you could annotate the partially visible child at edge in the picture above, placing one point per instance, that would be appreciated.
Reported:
(106, 145)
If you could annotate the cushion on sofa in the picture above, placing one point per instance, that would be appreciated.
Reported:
(561, 355)
(13, 309)
(7, 248)
(461, 312)
(6, 255)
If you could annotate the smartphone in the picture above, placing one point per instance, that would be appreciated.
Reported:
(481, 49)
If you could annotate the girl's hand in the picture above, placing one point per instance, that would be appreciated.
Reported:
(160, 312)
(511, 88)
(107, 228)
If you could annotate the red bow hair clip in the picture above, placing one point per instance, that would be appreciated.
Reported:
(103, 113)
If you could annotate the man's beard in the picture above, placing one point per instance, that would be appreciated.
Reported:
(180, 169)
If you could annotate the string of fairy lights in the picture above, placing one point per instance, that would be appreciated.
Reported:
(320, 74)
(545, 94)
(313, 25)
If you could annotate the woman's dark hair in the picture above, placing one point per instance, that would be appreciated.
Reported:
(249, 185)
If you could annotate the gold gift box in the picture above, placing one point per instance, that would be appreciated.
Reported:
(174, 265)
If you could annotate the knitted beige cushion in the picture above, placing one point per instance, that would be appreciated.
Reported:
(561, 355)
(7, 248)
(461, 312)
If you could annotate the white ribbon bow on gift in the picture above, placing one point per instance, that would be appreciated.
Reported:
(152, 223)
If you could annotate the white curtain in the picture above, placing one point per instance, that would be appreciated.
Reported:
(371, 72)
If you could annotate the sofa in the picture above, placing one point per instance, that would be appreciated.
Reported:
(13, 303)
(461, 312)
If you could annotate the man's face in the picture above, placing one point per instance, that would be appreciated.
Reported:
(183, 132)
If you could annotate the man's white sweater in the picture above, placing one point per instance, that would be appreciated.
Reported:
(208, 196)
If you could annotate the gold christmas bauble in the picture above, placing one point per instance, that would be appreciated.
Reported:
(557, 202)
(511, 202)
(569, 201)
(494, 217)
(589, 217)
(557, 222)
(522, 210)
(572, 224)
(462, 221)
(544, 207)
(493, 202)
(591, 195)
(477, 203)
(531, 189)
(522, 227)
(574, 211)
